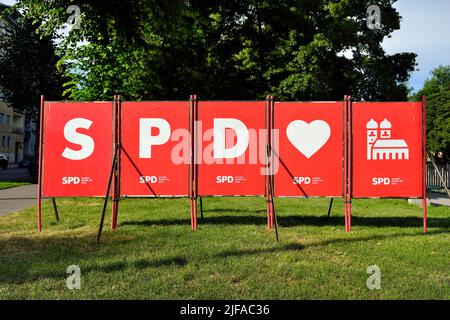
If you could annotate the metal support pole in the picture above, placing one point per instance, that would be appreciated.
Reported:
(266, 177)
(272, 168)
(40, 164)
(273, 212)
(273, 221)
(350, 163)
(424, 164)
(117, 169)
(193, 163)
(55, 209)
(114, 178)
(105, 203)
(269, 199)
(201, 208)
(345, 178)
(348, 153)
(329, 208)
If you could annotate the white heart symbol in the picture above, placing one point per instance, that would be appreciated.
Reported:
(308, 138)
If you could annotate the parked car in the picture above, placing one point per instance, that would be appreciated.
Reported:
(3, 161)
(25, 163)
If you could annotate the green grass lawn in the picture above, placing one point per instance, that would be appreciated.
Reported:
(12, 184)
(154, 255)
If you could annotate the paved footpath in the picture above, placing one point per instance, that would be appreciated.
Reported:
(15, 199)
(439, 199)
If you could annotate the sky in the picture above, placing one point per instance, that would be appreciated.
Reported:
(424, 30)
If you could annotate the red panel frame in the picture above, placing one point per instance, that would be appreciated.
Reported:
(348, 162)
(193, 167)
(118, 164)
(402, 139)
(253, 117)
(424, 162)
(171, 179)
(90, 171)
(310, 146)
(251, 113)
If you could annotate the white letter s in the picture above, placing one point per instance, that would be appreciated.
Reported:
(86, 142)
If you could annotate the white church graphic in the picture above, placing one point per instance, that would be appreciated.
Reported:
(380, 146)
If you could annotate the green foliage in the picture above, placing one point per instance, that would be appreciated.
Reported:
(225, 49)
(28, 66)
(437, 90)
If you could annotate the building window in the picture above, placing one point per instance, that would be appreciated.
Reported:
(2, 118)
(9, 142)
(8, 120)
(4, 141)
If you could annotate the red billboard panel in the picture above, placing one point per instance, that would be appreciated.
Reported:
(387, 149)
(231, 146)
(155, 148)
(77, 148)
(310, 151)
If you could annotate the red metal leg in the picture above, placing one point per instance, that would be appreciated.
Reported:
(193, 169)
(114, 182)
(40, 164)
(193, 204)
(425, 215)
(349, 216)
(349, 162)
(267, 173)
(424, 159)
(348, 150)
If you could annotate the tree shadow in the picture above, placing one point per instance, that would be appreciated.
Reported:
(244, 252)
(297, 220)
(235, 210)
(392, 221)
(48, 258)
(36, 258)
(298, 247)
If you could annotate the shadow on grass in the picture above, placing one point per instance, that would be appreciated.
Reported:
(293, 221)
(138, 264)
(244, 252)
(298, 247)
(25, 260)
(221, 210)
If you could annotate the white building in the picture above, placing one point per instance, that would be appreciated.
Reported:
(17, 130)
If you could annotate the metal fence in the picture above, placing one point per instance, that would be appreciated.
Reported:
(433, 180)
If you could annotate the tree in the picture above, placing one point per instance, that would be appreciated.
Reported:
(27, 67)
(140, 49)
(227, 49)
(295, 49)
(437, 90)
